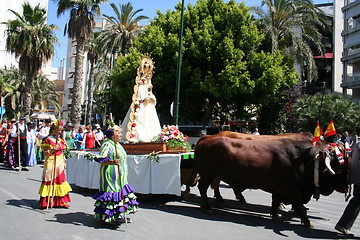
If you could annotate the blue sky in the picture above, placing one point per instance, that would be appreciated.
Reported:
(149, 9)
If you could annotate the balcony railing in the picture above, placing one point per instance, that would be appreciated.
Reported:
(352, 23)
(353, 51)
(352, 77)
(350, 1)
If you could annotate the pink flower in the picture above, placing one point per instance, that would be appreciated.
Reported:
(172, 132)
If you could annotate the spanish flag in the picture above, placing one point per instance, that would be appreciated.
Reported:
(330, 130)
(317, 133)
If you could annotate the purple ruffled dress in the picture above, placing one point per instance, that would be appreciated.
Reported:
(116, 197)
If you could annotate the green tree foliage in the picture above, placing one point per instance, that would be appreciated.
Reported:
(271, 79)
(32, 41)
(323, 108)
(93, 55)
(122, 79)
(44, 93)
(13, 85)
(222, 68)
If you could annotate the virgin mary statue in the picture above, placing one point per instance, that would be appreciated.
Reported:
(141, 123)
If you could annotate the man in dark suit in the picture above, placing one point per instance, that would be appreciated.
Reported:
(19, 133)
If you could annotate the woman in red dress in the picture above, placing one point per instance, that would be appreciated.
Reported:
(90, 138)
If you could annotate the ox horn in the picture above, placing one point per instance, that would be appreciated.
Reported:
(327, 163)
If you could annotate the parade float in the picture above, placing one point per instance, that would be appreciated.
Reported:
(141, 126)
(159, 158)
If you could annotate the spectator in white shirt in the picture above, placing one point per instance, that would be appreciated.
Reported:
(256, 132)
(99, 135)
(45, 130)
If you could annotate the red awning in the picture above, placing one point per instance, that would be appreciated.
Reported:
(327, 55)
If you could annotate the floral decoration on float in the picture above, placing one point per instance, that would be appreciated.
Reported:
(170, 140)
(174, 138)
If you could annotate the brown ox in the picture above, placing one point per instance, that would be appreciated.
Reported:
(294, 136)
(283, 167)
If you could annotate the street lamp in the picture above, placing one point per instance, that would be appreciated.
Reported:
(177, 94)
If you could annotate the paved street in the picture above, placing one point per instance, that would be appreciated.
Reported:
(160, 216)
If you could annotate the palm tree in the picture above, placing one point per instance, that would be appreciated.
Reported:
(13, 87)
(93, 55)
(325, 107)
(292, 25)
(44, 93)
(32, 41)
(79, 28)
(120, 30)
(102, 75)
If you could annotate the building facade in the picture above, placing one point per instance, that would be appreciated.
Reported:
(329, 63)
(351, 49)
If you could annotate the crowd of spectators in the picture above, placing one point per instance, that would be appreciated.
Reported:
(20, 142)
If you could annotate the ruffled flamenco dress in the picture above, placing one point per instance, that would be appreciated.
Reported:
(109, 204)
(54, 183)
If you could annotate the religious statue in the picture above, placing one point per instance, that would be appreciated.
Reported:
(141, 123)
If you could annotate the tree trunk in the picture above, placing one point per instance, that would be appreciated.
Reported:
(124, 47)
(90, 94)
(76, 104)
(205, 118)
(27, 96)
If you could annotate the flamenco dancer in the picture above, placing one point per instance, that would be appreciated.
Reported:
(54, 190)
(116, 198)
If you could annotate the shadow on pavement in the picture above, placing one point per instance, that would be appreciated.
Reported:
(30, 204)
(74, 218)
(83, 219)
(35, 180)
(253, 215)
(7, 169)
(86, 192)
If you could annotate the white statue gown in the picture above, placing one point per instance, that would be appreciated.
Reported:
(146, 118)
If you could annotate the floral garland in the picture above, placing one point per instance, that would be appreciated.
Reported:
(67, 153)
(144, 73)
(89, 156)
(154, 156)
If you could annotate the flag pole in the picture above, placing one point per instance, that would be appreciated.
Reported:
(178, 77)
